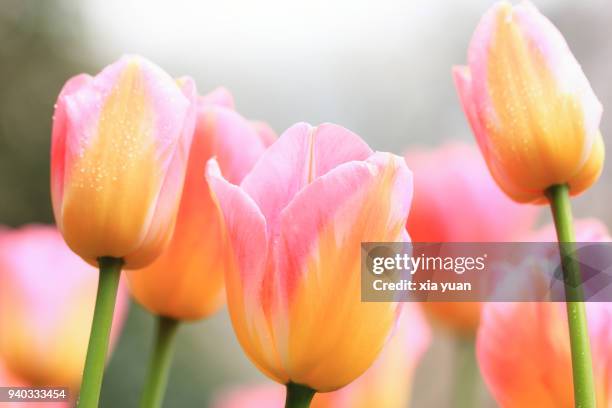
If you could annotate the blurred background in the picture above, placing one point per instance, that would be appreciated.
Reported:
(381, 69)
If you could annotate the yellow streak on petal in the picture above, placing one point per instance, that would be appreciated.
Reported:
(113, 186)
(333, 336)
(537, 131)
(186, 281)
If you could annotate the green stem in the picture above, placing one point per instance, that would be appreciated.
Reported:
(466, 373)
(161, 360)
(110, 272)
(298, 396)
(582, 368)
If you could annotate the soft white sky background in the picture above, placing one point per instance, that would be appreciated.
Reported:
(380, 68)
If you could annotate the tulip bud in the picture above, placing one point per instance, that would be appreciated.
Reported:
(118, 158)
(456, 200)
(295, 225)
(47, 297)
(529, 104)
(186, 281)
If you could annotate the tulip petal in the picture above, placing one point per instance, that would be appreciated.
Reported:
(456, 199)
(388, 382)
(318, 257)
(548, 40)
(219, 96)
(59, 137)
(240, 146)
(532, 367)
(265, 132)
(186, 281)
(246, 233)
(244, 223)
(463, 81)
(165, 209)
(300, 155)
(590, 172)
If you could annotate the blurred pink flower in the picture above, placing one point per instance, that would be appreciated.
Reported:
(47, 296)
(523, 348)
(457, 200)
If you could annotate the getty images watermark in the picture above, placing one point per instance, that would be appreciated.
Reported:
(480, 272)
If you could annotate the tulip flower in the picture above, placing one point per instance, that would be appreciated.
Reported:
(118, 158)
(295, 225)
(119, 153)
(533, 366)
(186, 281)
(529, 104)
(46, 307)
(536, 120)
(456, 200)
(386, 384)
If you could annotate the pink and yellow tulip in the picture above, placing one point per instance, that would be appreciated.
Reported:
(118, 157)
(529, 104)
(295, 225)
(524, 351)
(46, 306)
(186, 281)
(457, 200)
